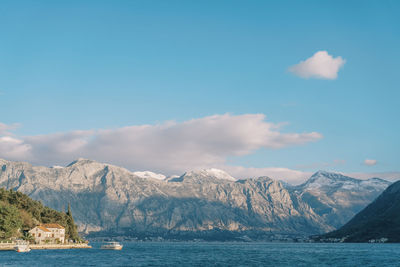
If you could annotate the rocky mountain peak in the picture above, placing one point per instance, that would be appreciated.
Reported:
(330, 175)
(337, 197)
(324, 178)
(81, 161)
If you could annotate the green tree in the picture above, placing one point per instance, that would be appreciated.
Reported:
(71, 229)
(10, 220)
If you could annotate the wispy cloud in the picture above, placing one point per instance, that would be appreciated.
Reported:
(6, 129)
(370, 162)
(169, 148)
(320, 66)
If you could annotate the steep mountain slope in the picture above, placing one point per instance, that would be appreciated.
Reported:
(109, 198)
(337, 198)
(380, 219)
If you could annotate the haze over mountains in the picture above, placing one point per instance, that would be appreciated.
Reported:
(107, 198)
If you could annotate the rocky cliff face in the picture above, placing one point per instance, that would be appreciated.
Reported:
(106, 197)
(337, 198)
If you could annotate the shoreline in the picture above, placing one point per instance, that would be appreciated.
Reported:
(10, 246)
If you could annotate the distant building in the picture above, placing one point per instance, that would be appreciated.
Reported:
(48, 233)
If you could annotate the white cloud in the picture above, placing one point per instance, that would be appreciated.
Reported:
(169, 148)
(13, 148)
(6, 128)
(370, 162)
(321, 66)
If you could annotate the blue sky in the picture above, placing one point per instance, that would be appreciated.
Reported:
(103, 65)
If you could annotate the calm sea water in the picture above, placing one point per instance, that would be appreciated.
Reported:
(213, 254)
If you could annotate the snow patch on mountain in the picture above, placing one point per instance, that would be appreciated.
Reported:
(149, 174)
(216, 173)
(56, 167)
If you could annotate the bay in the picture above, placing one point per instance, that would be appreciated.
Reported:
(213, 254)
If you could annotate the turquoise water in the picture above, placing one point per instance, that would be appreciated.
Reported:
(213, 254)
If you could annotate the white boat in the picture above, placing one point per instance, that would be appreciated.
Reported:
(22, 246)
(112, 246)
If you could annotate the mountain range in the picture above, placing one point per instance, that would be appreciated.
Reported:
(107, 199)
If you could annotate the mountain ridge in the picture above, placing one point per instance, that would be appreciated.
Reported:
(115, 198)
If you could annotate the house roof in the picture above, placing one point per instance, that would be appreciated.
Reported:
(52, 225)
(44, 229)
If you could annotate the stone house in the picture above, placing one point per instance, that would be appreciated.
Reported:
(40, 234)
(48, 233)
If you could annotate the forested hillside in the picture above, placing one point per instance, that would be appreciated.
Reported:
(19, 213)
